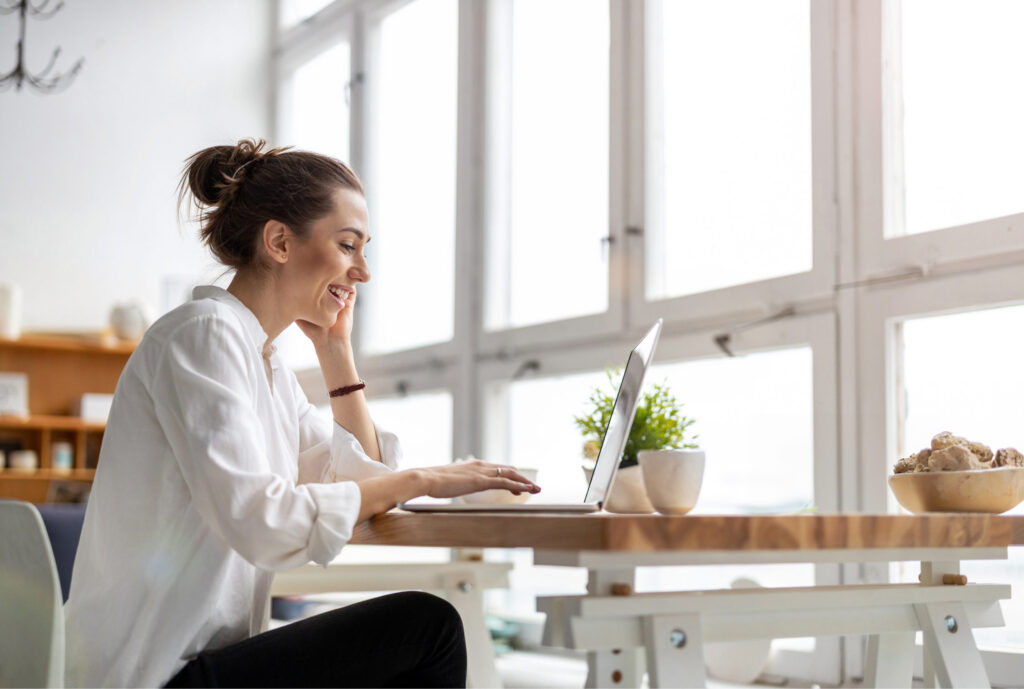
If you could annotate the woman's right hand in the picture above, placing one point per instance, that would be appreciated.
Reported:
(381, 493)
(460, 478)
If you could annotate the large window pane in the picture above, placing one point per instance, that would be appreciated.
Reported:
(559, 167)
(730, 145)
(413, 219)
(962, 108)
(319, 113)
(962, 373)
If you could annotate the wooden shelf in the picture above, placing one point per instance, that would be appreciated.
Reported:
(47, 475)
(52, 423)
(90, 343)
(60, 367)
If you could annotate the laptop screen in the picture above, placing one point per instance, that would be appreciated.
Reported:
(623, 412)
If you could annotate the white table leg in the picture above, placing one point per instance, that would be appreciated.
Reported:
(462, 591)
(950, 644)
(622, 667)
(890, 660)
(675, 652)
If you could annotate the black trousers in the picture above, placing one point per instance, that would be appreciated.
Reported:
(409, 639)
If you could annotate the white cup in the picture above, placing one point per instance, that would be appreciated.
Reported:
(10, 311)
(672, 478)
(24, 460)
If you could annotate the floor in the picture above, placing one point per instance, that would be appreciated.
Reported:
(522, 670)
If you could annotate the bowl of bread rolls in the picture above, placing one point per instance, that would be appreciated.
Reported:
(955, 474)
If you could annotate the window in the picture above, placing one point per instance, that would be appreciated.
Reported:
(546, 257)
(422, 421)
(962, 140)
(760, 456)
(962, 373)
(788, 180)
(729, 144)
(318, 118)
(411, 188)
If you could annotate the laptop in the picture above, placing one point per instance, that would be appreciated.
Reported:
(615, 436)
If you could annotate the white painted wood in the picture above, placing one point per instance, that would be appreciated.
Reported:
(750, 601)
(625, 632)
(951, 649)
(427, 576)
(890, 660)
(613, 559)
(606, 664)
(675, 650)
(463, 591)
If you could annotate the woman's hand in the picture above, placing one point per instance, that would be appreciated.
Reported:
(338, 334)
(460, 478)
(381, 493)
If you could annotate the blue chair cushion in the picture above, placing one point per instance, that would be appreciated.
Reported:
(64, 527)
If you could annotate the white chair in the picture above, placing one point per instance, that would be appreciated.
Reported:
(31, 612)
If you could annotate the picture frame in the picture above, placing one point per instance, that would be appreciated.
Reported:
(13, 394)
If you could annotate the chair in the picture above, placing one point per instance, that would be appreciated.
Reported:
(31, 615)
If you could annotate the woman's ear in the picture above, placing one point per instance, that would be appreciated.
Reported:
(277, 240)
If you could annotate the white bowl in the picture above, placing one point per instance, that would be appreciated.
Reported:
(991, 491)
(499, 496)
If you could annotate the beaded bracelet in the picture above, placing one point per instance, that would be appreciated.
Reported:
(339, 392)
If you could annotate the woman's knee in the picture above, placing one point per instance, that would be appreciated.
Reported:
(433, 609)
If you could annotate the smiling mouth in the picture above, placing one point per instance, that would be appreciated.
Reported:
(340, 293)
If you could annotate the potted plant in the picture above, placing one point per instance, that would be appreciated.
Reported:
(659, 425)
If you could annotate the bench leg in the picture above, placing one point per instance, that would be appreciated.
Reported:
(622, 667)
(950, 647)
(462, 590)
(675, 651)
(890, 660)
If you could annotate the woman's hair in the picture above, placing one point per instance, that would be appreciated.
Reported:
(236, 189)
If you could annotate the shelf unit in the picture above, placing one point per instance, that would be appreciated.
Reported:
(60, 369)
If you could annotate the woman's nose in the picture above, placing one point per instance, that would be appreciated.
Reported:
(360, 272)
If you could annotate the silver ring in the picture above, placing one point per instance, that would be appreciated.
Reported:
(499, 472)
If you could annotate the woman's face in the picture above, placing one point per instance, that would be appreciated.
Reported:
(322, 272)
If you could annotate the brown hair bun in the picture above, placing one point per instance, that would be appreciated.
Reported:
(236, 189)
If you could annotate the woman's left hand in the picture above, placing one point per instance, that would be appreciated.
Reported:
(339, 333)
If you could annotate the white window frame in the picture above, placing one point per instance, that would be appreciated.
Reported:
(756, 299)
(882, 252)
(497, 173)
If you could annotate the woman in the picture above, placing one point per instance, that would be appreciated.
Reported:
(215, 470)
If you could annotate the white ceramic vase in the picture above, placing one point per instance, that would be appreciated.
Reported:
(672, 478)
(628, 495)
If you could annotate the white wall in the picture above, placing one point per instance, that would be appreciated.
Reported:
(88, 176)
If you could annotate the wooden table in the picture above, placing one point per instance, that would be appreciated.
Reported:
(667, 630)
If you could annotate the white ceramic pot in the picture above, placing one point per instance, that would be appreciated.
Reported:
(672, 478)
(627, 495)
(129, 321)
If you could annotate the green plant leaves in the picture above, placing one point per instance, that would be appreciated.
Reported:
(659, 423)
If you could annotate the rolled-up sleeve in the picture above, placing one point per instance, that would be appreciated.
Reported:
(329, 453)
(204, 402)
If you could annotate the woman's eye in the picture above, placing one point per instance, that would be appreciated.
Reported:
(347, 247)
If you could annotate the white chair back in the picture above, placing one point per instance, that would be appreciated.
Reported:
(31, 612)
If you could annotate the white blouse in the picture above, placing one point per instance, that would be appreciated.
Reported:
(215, 472)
